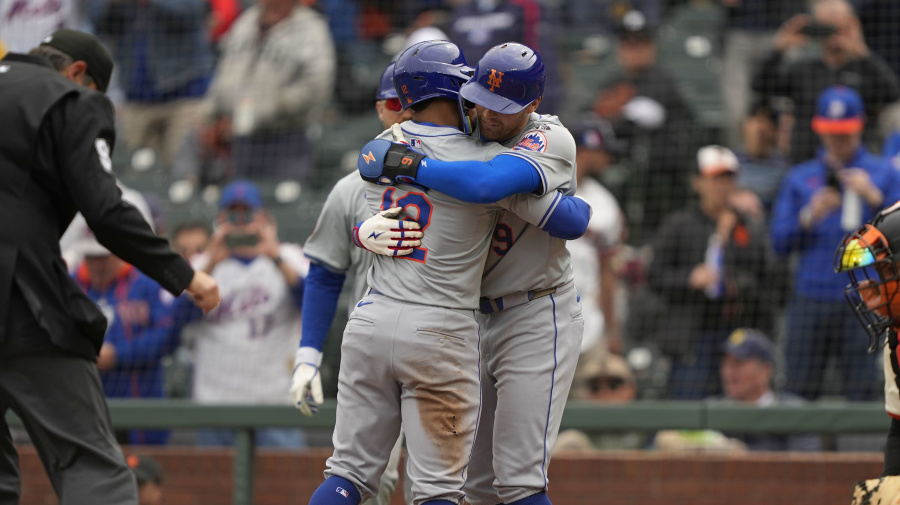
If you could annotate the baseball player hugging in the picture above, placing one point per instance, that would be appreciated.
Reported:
(411, 348)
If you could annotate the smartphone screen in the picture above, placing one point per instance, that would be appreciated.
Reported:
(233, 240)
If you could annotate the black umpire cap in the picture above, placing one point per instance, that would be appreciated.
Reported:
(84, 47)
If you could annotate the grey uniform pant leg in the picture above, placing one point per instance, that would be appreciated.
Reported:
(417, 363)
(530, 352)
(60, 400)
(390, 476)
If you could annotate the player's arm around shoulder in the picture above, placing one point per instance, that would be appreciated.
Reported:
(560, 215)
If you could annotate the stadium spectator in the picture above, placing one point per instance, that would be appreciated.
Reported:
(165, 61)
(601, 377)
(820, 200)
(139, 330)
(149, 477)
(478, 25)
(710, 266)
(844, 59)
(24, 23)
(748, 33)
(589, 17)
(763, 166)
(647, 112)
(275, 75)
(593, 253)
(190, 238)
(244, 349)
(746, 371)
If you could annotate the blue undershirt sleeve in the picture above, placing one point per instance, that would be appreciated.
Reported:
(480, 181)
(321, 292)
(569, 219)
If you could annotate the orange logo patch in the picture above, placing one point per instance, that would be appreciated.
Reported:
(495, 79)
(369, 157)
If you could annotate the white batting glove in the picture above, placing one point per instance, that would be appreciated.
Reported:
(384, 234)
(306, 384)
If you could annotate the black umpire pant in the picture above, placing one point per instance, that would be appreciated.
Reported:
(60, 400)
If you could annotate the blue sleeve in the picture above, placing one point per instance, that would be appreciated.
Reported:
(157, 339)
(891, 145)
(480, 181)
(569, 218)
(786, 231)
(891, 187)
(321, 293)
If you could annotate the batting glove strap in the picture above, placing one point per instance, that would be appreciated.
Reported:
(388, 163)
(356, 241)
(309, 355)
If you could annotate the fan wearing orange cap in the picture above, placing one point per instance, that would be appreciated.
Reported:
(820, 200)
(867, 255)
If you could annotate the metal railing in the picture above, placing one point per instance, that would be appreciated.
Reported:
(821, 417)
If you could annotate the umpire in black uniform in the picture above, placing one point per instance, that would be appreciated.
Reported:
(54, 161)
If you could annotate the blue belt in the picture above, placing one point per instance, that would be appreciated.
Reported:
(491, 305)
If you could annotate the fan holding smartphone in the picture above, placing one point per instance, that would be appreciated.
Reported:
(245, 348)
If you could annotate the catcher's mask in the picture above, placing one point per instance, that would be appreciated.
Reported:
(866, 256)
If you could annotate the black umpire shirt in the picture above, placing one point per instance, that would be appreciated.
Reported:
(55, 151)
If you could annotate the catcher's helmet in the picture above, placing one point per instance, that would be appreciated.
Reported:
(867, 256)
(386, 85)
(508, 78)
(430, 69)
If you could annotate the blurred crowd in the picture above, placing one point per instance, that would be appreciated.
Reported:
(725, 146)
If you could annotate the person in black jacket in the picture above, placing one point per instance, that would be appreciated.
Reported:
(652, 121)
(710, 264)
(845, 60)
(55, 161)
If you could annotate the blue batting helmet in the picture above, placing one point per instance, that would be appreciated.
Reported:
(386, 85)
(430, 69)
(508, 78)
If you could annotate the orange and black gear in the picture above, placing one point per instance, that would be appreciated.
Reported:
(868, 257)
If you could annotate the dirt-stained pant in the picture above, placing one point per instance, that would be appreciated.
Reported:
(418, 364)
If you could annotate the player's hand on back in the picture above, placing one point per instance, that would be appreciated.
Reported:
(204, 290)
(387, 235)
(389, 163)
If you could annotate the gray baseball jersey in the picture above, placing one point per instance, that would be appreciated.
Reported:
(330, 244)
(530, 347)
(541, 261)
(446, 270)
(411, 348)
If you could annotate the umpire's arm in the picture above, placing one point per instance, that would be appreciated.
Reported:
(86, 135)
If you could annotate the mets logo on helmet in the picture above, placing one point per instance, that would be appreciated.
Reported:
(533, 141)
(495, 79)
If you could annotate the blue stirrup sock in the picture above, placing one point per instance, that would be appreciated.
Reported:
(335, 491)
(535, 499)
